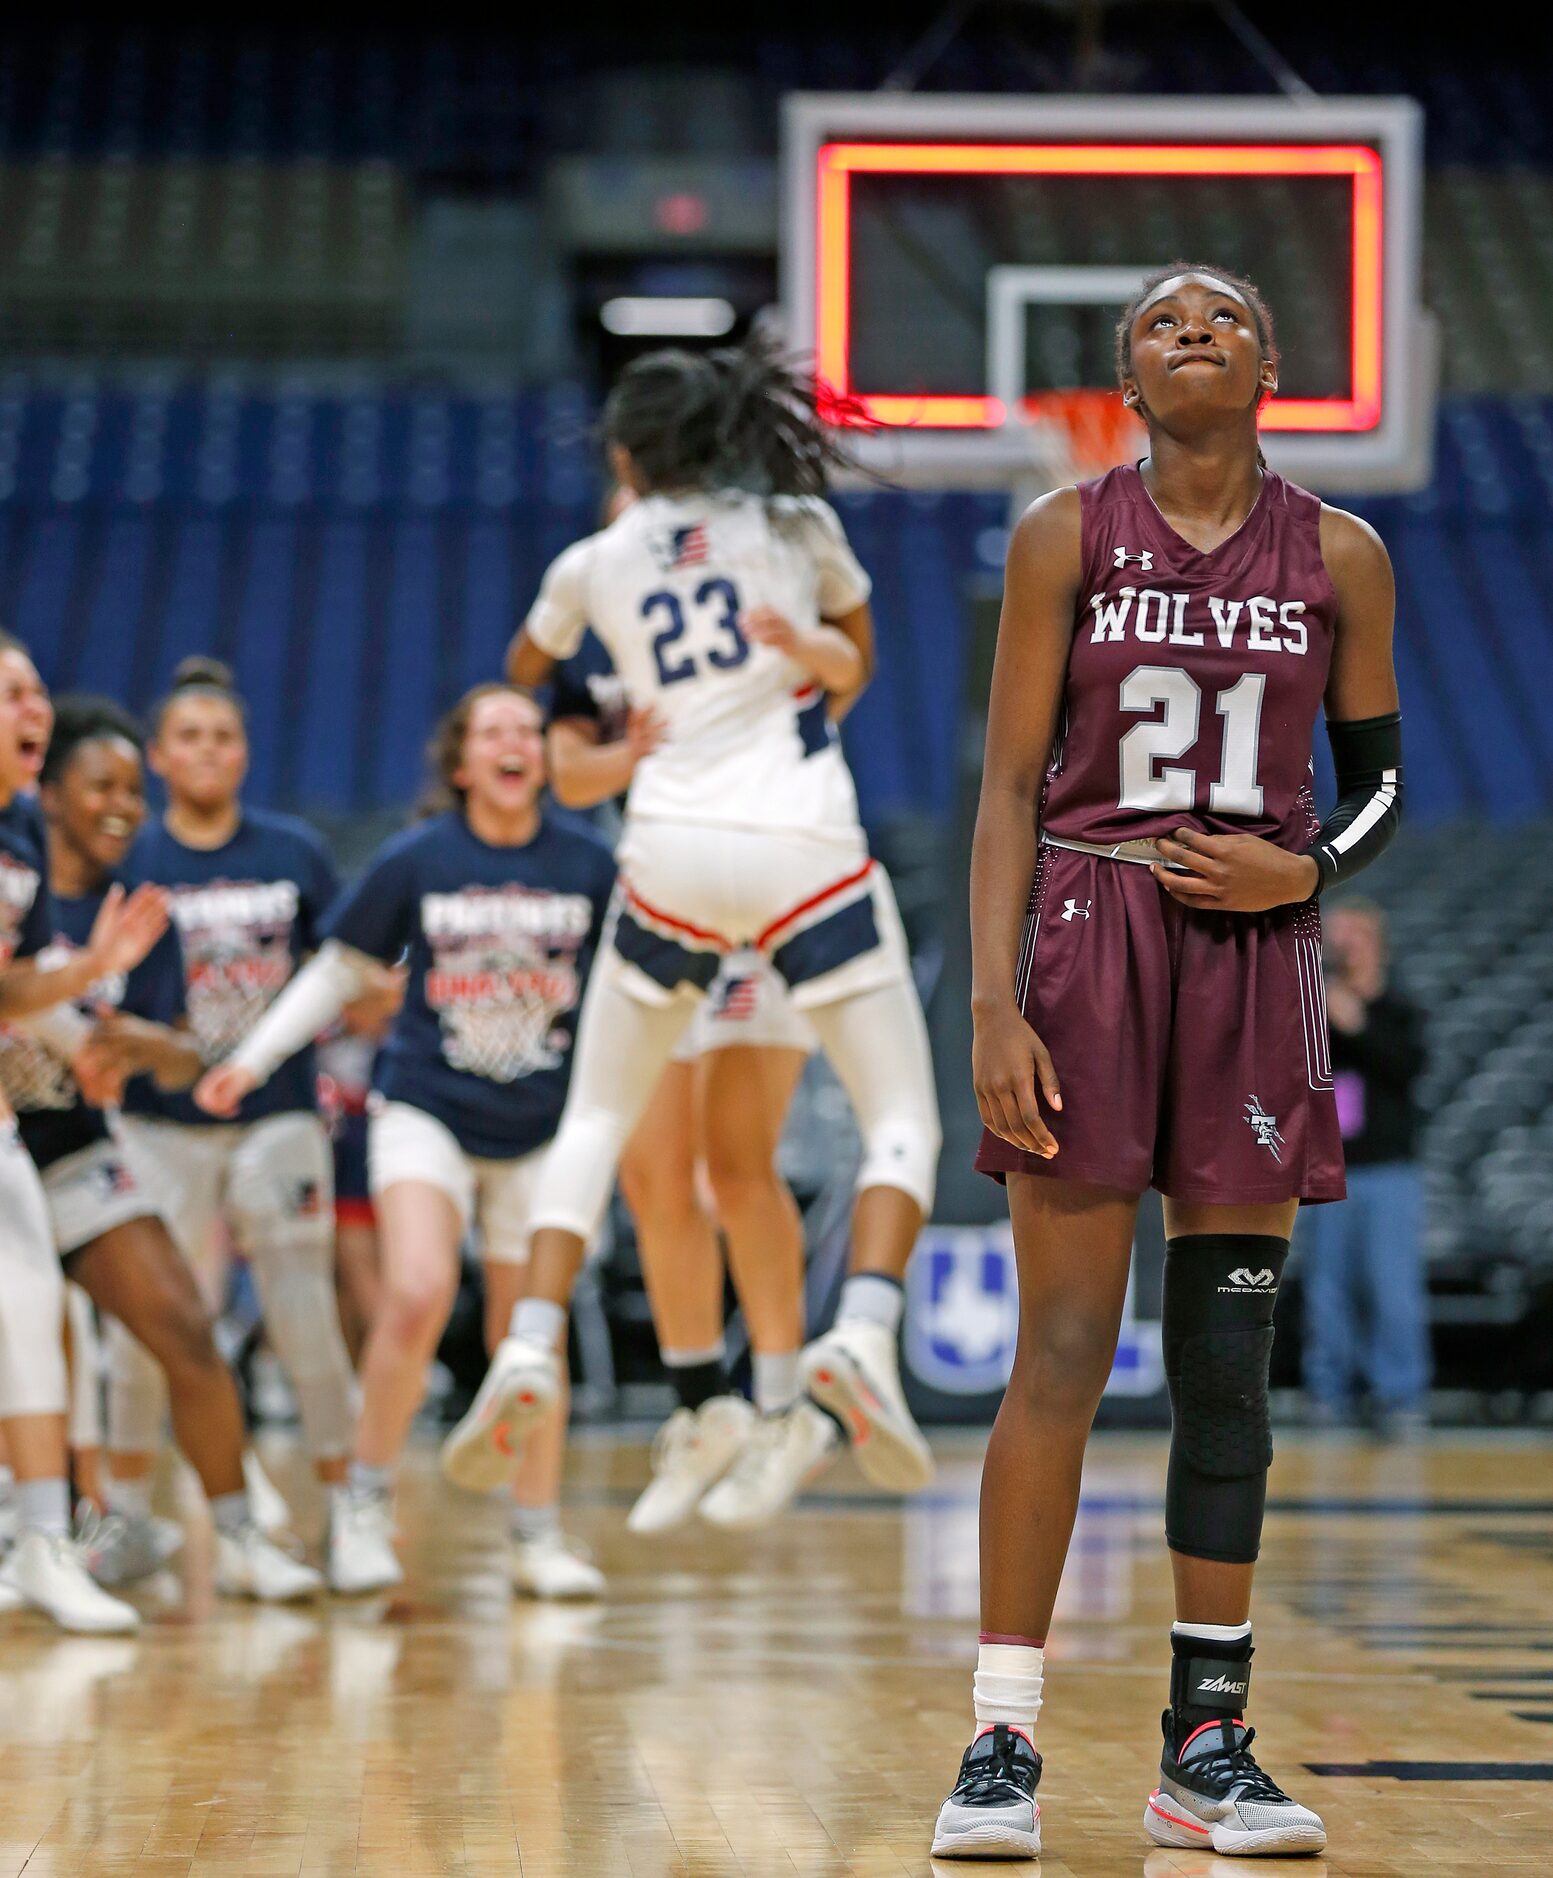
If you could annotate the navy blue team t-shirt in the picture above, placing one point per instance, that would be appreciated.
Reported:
(26, 918)
(500, 941)
(54, 1119)
(246, 913)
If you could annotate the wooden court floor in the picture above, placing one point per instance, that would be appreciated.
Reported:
(796, 1701)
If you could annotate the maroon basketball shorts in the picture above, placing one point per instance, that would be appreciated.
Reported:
(1191, 1047)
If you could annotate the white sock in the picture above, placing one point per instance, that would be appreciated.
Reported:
(536, 1320)
(368, 1482)
(1008, 1685)
(130, 1499)
(871, 1298)
(45, 1504)
(776, 1381)
(534, 1522)
(1212, 1633)
(230, 1512)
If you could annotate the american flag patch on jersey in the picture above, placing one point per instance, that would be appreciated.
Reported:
(682, 547)
(737, 999)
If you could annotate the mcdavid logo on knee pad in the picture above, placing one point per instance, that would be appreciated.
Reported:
(1244, 1279)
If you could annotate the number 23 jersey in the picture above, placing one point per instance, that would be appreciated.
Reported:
(748, 742)
(1193, 678)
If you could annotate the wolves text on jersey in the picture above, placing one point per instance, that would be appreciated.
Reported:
(1260, 624)
(503, 971)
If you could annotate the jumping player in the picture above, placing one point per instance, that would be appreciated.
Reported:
(1149, 1011)
(706, 1144)
(729, 601)
(106, 1226)
(499, 903)
(248, 889)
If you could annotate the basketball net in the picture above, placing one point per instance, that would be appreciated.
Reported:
(1090, 431)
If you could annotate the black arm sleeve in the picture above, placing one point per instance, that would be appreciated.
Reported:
(1367, 755)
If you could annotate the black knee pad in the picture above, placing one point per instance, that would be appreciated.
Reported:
(1218, 1340)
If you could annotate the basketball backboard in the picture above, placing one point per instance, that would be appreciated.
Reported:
(949, 260)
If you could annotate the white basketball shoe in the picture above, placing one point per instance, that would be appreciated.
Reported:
(854, 1371)
(521, 1385)
(691, 1451)
(780, 1456)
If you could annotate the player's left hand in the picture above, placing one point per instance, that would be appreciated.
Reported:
(1233, 873)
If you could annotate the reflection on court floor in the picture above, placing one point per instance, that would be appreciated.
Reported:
(796, 1700)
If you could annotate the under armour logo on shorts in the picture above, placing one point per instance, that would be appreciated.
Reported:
(1072, 910)
(1144, 557)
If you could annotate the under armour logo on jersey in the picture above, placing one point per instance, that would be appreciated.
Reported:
(1144, 558)
(1264, 1127)
(1072, 910)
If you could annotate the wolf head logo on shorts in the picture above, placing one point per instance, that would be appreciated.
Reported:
(1265, 1128)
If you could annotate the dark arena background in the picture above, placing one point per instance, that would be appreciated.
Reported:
(305, 332)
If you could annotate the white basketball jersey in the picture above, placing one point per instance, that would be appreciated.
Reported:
(748, 741)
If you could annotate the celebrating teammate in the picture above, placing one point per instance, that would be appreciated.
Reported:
(106, 1226)
(44, 1566)
(729, 602)
(1149, 1011)
(248, 889)
(719, 1107)
(499, 903)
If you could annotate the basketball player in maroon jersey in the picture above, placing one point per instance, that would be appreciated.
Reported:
(1149, 1011)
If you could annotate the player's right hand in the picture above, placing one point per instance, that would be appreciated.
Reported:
(645, 730)
(220, 1091)
(1009, 1063)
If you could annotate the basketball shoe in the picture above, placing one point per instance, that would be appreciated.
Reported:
(1212, 1793)
(552, 1566)
(993, 1811)
(46, 1570)
(781, 1454)
(521, 1384)
(693, 1449)
(854, 1372)
(250, 1565)
(361, 1543)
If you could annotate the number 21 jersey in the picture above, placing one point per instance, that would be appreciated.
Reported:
(1193, 678)
(748, 741)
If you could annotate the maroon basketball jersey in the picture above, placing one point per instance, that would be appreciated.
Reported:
(1194, 679)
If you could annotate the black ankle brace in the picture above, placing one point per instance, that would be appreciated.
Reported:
(1209, 1681)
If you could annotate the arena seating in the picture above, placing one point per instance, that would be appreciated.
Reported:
(358, 551)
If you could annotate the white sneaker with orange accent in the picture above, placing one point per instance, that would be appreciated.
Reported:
(522, 1384)
(854, 1371)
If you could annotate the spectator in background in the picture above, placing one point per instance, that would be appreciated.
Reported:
(1366, 1296)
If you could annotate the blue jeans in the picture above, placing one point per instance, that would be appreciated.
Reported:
(1366, 1298)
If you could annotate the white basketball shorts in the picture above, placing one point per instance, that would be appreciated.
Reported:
(817, 908)
(495, 1197)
